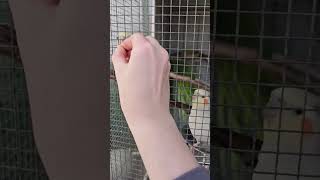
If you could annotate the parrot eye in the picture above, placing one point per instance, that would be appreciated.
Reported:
(203, 96)
(298, 111)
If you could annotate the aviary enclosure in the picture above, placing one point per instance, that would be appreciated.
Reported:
(265, 81)
(266, 89)
(183, 29)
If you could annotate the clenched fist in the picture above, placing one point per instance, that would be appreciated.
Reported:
(142, 71)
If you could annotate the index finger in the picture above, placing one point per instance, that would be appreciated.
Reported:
(134, 40)
(119, 55)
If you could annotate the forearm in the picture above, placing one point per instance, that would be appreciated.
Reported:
(162, 147)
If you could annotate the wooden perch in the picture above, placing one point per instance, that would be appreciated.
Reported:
(238, 141)
(180, 105)
(196, 82)
(229, 50)
(245, 54)
(229, 139)
(242, 144)
(173, 103)
(300, 67)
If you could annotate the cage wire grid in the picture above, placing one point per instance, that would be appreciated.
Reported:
(266, 83)
(19, 158)
(183, 29)
(259, 46)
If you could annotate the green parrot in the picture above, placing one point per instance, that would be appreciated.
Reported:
(229, 95)
(184, 63)
(236, 86)
(235, 102)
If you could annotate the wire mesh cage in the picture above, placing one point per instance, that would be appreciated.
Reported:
(183, 29)
(19, 158)
(266, 84)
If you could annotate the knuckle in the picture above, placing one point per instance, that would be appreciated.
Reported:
(165, 54)
(146, 45)
(167, 64)
(164, 50)
(138, 36)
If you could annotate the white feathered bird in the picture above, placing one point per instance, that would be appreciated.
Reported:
(292, 118)
(199, 119)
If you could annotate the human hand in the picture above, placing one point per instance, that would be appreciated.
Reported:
(142, 71)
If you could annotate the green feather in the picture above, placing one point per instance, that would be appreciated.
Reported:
(184, 63)
(235, 101)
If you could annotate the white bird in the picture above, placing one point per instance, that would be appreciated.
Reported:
(199, 119)
(298, 107)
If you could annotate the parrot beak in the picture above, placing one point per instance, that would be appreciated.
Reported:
(307, 125)
(206, 101)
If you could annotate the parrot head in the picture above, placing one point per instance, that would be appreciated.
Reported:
(289, 115)
(298, 108)
(201, 99)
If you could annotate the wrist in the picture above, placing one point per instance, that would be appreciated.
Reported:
(159, 140)
(148, 118)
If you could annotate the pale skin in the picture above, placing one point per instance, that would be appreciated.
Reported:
(142, 71)
(66, 81)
